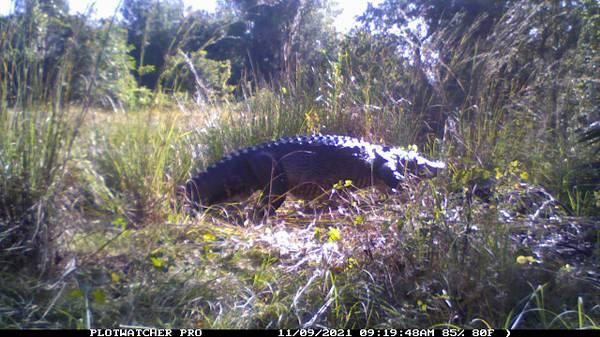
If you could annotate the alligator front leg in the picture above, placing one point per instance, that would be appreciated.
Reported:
(270, 174)
(389, 175)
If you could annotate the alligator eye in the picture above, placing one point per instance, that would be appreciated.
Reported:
(426, 171)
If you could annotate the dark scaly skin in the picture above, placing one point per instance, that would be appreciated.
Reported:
(304, 166)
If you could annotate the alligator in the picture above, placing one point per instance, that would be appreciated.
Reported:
(303, 166)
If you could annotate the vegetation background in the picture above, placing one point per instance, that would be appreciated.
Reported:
(102, 119)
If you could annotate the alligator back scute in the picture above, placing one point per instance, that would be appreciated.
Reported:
(304, 166)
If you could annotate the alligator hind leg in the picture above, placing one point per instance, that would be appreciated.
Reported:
(270, 174)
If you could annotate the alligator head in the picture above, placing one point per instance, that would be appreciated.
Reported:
(410, 164)
(422, 168)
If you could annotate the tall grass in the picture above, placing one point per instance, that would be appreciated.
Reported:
(514, 106)
(36, 129)
(142, 158)
(39, 130)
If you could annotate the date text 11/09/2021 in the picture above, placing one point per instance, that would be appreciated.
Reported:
(392, 333)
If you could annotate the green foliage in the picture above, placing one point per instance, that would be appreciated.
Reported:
(69, 63)
(152, 28)
(116, 87)
(270, 41)
(196, 74)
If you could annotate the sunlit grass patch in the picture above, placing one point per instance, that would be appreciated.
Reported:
(142, 159)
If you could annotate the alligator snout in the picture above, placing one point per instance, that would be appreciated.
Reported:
(429, 169)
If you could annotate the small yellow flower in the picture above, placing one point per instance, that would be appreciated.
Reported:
(525, 259)
(341, 184)
(334, 234)
(524, 175)
(208, 237)
(115, 277)
(156, 261)
(498, 173)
